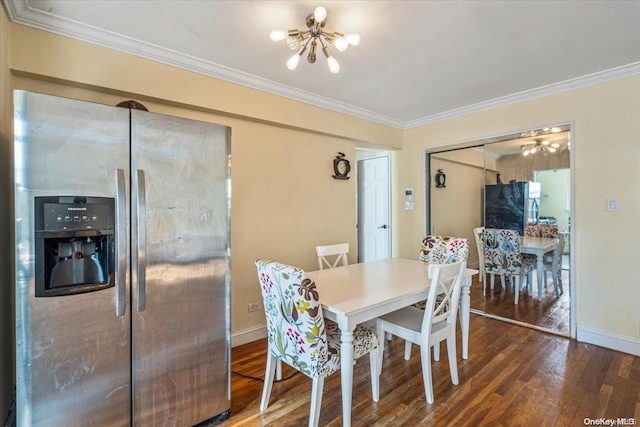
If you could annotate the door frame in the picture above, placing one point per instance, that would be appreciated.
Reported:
(360, 237)
(483, 140)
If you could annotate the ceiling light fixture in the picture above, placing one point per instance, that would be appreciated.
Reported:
(541, 146)
(300, 40)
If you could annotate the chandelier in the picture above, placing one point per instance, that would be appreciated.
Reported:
(309, 39)
(541, 146)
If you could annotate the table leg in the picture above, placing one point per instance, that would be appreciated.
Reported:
(465, 306)
(540, 273)
(346, 375)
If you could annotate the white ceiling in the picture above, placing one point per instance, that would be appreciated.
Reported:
(419, 61)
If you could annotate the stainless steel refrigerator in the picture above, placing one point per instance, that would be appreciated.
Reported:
(122, 266)
(512, 205)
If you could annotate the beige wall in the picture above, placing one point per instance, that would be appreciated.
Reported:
(284, 200)
(555, 191)
(457, 209)
(6, 230)
(605, 164)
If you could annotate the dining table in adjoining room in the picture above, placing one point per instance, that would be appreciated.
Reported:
(538, 246)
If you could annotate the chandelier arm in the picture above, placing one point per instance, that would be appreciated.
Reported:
(299, 40)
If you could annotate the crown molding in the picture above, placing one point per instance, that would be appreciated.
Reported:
(20, 12)
(575, 83)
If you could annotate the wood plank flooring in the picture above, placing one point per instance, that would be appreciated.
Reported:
(551, 313)
(514, 376)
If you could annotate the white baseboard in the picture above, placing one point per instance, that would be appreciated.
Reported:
(246, 336)
(585, 334)
(621, 343)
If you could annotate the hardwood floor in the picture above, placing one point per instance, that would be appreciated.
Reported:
(514, 376)
(551, 313)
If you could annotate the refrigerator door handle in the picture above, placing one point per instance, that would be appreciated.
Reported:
(141, 206)
(121, 248)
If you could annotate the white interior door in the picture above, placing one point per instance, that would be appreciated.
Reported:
(374, 232)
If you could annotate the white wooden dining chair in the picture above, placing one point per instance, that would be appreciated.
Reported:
(436, 323)
(299, 335)
(552, 263)
(325, 253)
(478, 233)
(438, 250)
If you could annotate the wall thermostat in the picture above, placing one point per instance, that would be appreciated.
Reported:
(409, 199)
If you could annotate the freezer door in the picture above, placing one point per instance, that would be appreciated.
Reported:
(505, 206)
(180, 234)
(72, 351)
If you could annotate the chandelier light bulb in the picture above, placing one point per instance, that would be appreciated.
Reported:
(292, 63)
(293, 42)
(555, 145)
(320, 14)
(545, 142)
(334, 67)
(353, 39)
(552, 150)
(341, 44)
(525, 153)
(278, 35)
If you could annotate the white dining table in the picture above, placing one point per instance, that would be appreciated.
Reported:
(356, 293)
(538, 246)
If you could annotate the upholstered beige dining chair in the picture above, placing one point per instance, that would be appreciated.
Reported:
(434, 324)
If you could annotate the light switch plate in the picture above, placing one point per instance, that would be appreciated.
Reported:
(613, 205)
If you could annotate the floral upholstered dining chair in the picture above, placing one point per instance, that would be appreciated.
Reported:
(443, 249)
(548, 230)
(299, 335)
(541, 230)
(502, 257)
(532, 230)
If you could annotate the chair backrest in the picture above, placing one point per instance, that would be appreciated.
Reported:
(532, 230)
(548, 230)
(295, 324)
(556, 257)
(443, 249)
(339, 250)
(502, 251)
(444, 294)
(541, 230)
(478, 233)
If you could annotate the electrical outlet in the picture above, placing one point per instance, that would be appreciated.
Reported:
(254, 306)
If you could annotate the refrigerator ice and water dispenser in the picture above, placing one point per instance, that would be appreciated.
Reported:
(75, 244)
